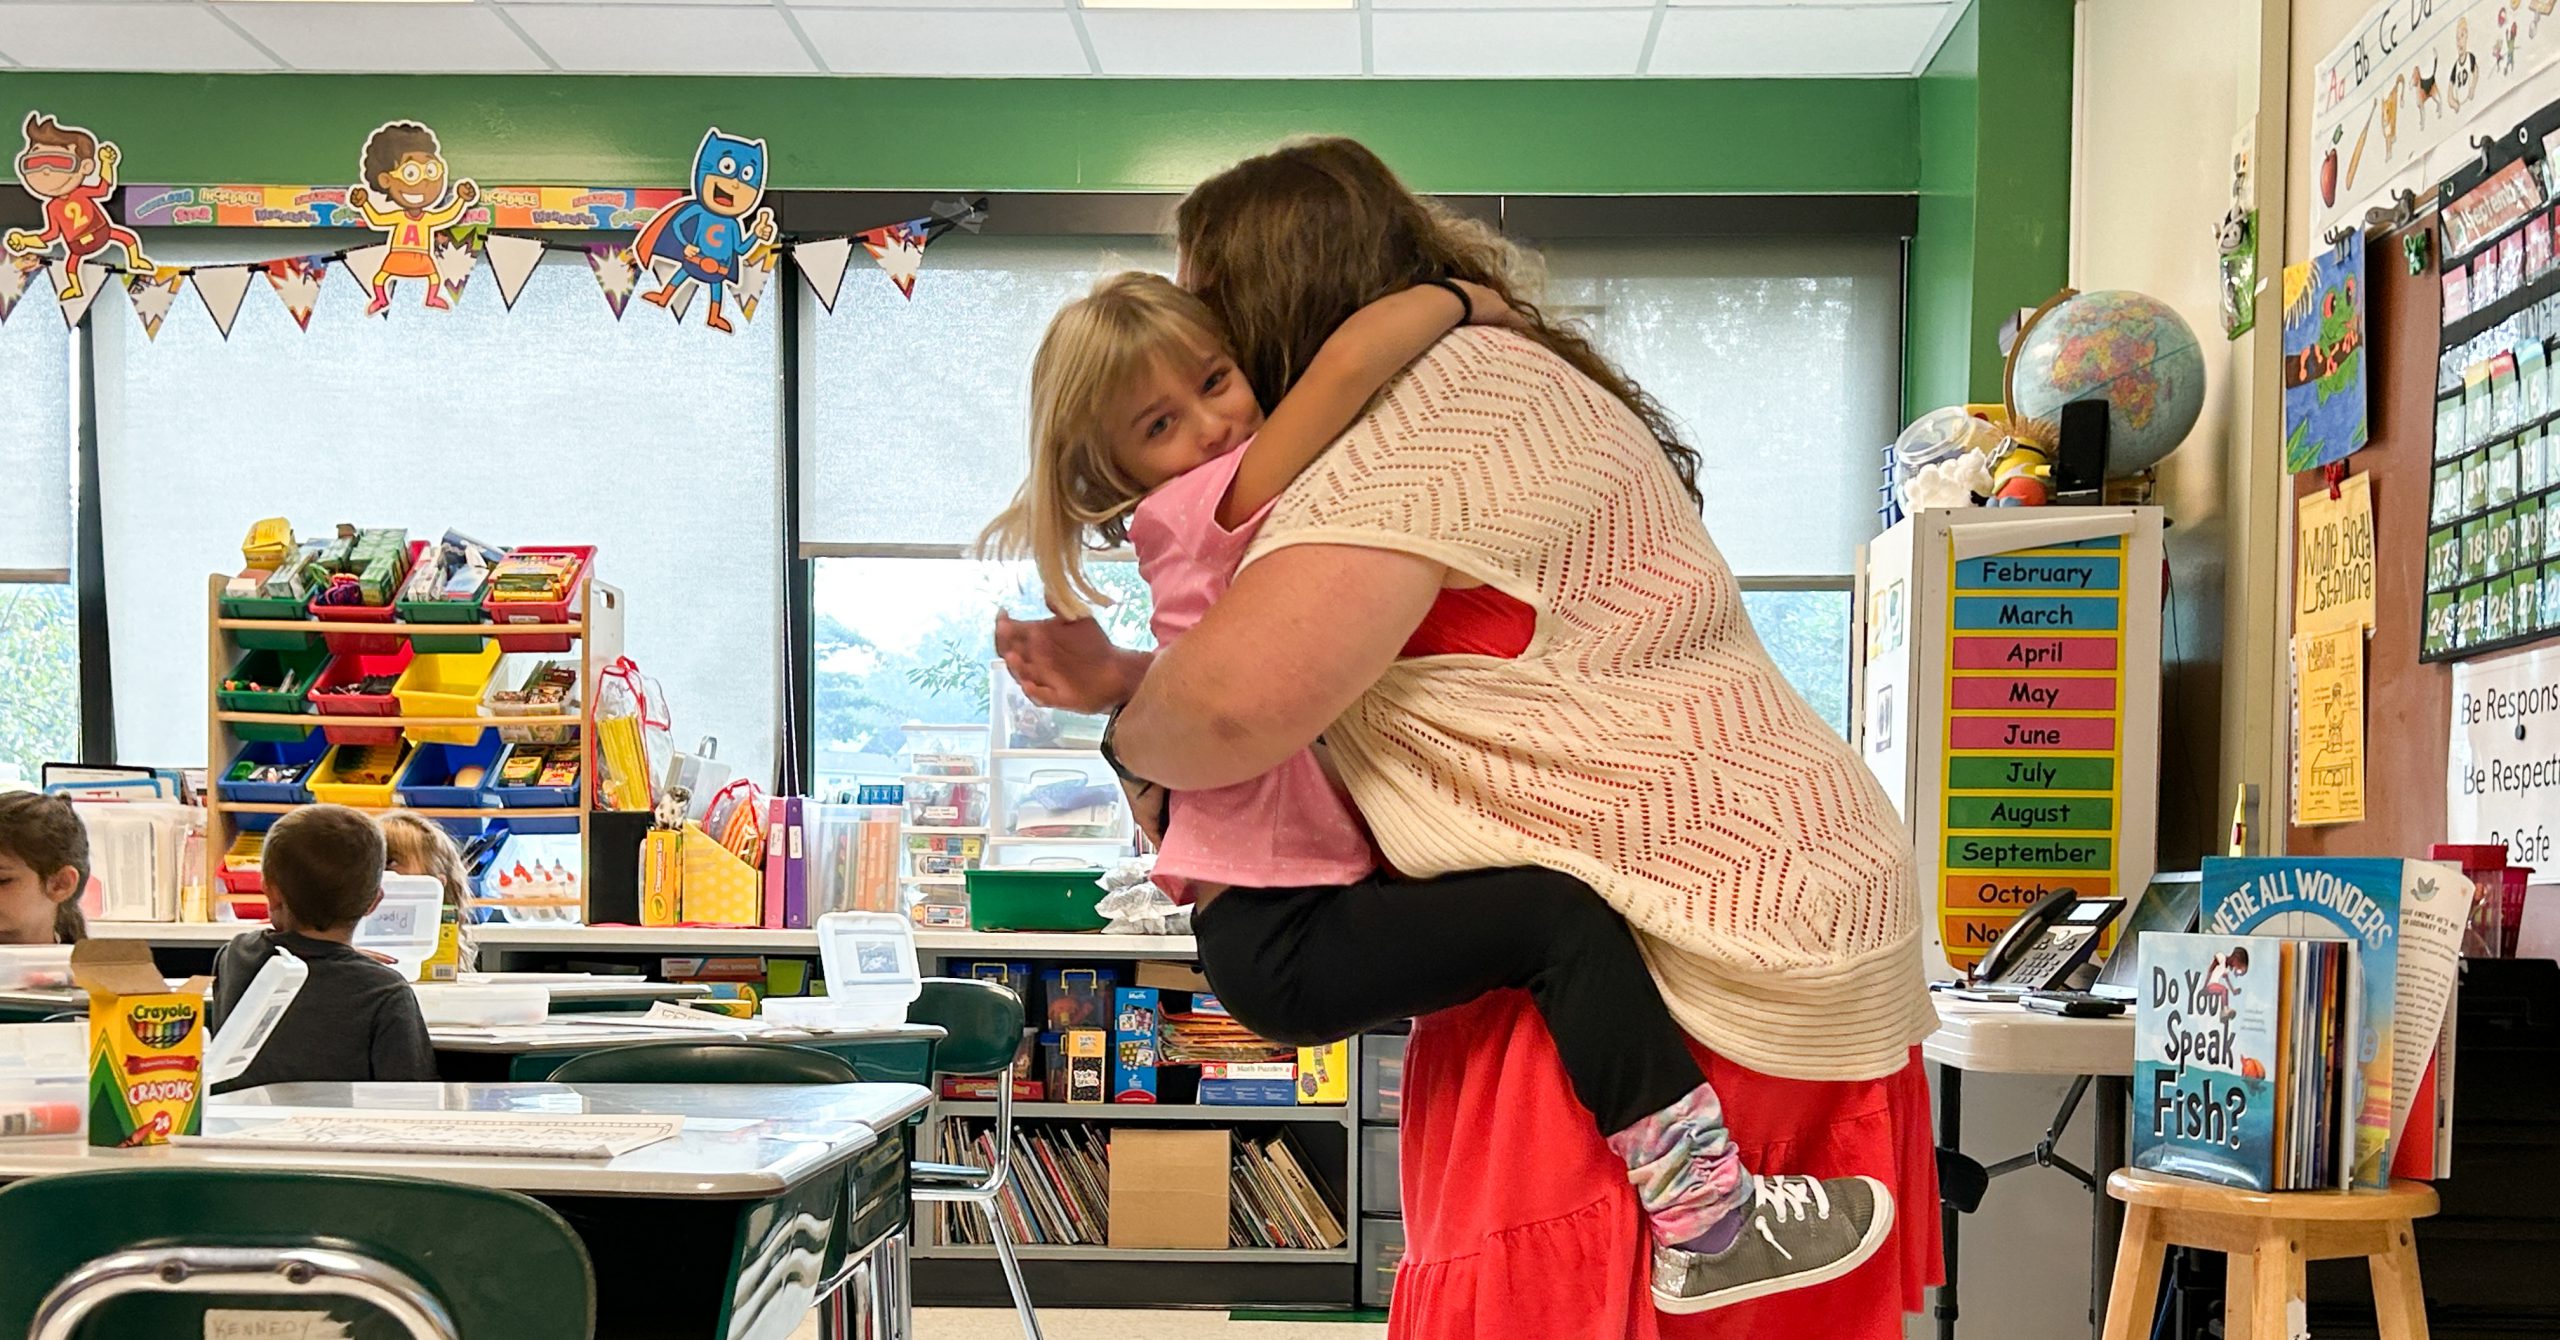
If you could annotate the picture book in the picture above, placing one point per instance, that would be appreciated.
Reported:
(2405, 919)
(2239, 1060)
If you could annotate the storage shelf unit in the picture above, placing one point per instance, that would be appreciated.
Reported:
(1221, 1255)
(1115, 1113)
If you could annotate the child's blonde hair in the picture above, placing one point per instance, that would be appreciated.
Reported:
(417, 843)
(1077, 497)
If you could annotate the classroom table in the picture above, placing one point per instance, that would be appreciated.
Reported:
(889, 1053)
(569, 994)
(1990, 1039)
(728, 1230)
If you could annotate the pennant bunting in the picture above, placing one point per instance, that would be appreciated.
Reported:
(753, 274)
(222, 289)
(617, 274)
(14, 272)
(75, 294)
(512, 261)
(823, 265)
(296, 280)
(456, 256)
(363, 264)
(899, 248)
(970, 215)
(152, 296)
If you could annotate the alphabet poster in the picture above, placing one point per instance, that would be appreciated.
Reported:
(2394, 105)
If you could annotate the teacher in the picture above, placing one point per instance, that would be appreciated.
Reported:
(1634, 735)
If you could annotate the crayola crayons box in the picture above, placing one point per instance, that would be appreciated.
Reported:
(146, 1045)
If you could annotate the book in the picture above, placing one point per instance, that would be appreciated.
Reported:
(2406, 920)
(2239, 1073)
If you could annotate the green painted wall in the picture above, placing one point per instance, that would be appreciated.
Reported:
(1994, 126)
(1600, 137)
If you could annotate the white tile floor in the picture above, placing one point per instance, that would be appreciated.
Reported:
(1064, 1324)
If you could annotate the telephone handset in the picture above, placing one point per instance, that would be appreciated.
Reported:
(2047, 942)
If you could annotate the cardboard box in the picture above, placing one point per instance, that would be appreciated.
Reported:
(1079, 997)
(146, 1045)
(1171, 977)
(1169, 1189)
(1087, 1067)
(1135, 1012)
(1324, 1075)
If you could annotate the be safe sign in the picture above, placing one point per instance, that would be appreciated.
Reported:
(2503, 774)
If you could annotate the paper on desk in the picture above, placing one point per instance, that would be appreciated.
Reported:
(475, 1134)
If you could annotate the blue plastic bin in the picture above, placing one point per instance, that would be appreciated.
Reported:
(428, 784)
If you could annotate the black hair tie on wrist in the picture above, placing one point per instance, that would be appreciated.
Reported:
(1466, 306)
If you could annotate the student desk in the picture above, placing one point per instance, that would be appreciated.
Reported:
(1991, 1039)
(568, 996)
(726, 1231)
(900, 1053)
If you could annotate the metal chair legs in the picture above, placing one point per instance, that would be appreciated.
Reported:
(1012, 1272)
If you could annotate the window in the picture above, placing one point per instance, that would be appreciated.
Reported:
(1807, 633)
(39, 620)
(40, 665)
(551, 423)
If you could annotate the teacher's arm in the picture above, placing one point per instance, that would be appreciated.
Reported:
(1302, 633)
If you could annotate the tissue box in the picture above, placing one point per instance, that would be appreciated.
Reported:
(146, 1045)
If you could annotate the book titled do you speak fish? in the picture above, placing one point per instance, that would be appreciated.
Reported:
(2241, 1060)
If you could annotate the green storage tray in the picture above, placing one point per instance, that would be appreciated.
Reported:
(270, 607)
(446, 611)
(268, 664)
(1035, 900)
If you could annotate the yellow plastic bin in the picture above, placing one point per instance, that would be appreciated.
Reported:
(337, 781)
(448, 684)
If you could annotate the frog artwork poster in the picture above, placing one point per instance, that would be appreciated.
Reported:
(2324, 366)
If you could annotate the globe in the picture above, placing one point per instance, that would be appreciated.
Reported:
(2127, 348)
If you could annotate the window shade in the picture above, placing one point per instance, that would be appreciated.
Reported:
(35, 440)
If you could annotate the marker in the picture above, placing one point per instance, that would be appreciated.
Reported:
(40, 1119)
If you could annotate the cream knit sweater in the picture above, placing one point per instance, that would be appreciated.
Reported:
(1644, 742)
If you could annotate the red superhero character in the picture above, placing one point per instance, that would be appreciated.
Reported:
(73, 173)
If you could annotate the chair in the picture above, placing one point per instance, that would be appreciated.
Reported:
(982, 1032)
(2268, 1239)
(144, 1251)
(705, 1061)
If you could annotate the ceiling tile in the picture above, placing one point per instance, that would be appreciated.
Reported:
(377, 37)
(1780, 43)
(69, 37)
(1521, 44)
(1384, 6)
(600, 4)
(664, 39)
(923, 4)
(1189, 44)
(953, 42)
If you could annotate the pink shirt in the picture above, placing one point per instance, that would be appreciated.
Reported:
(1288, 827)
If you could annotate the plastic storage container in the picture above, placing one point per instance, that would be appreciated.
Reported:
(406, 923)
(520, 676)
(240, 872)
(1035, 900)
(1382, 1077)
(362, 776)
(337, 708)
(368, 644)
(1380, 1190)
(283, 607)
(296, 758)
(35, 968)
(444, 610)
(286, 678)
(1027, 854)
(1029, 726)
(536, 794)
(872, 976)
(43, 1078)
(563, 610)
(445, 685)
(1381, 1251)
(1063, 798)
(432, 781)
(942, 803)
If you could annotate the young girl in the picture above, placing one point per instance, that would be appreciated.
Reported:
(415, 846)
(44, 862)
(1143, 428)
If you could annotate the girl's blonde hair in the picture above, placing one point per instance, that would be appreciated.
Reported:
(1077, 497)
(410, 840)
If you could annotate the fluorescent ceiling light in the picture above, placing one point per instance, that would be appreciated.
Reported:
(1219, 4)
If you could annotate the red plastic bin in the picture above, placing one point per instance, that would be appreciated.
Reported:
(563, 610)
(336, 707)
(369, 644)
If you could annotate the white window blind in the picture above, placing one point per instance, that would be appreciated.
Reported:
(918, 410)
(35, 440)
(551, 423)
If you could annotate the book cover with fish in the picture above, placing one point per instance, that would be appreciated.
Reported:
(2208, 1038)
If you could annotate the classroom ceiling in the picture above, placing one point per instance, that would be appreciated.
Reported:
(1316, 39)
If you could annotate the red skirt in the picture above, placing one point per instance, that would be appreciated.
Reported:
(1519, 1221)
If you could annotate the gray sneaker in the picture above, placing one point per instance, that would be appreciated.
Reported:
(1803, 1231)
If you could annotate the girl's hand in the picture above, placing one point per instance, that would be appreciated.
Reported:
(1068, 663)
(1486, 307)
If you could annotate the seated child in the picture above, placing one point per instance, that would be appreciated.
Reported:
(44, 861)
(416, 846)
(355, 1019)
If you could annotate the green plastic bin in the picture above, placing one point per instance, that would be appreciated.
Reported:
(270, 607)
(1035, 900)
(268, 665)
(458, 610)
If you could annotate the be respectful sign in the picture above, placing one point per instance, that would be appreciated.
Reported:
(2503, 777)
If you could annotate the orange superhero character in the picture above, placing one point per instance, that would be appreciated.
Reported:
(73, 173)
(403, 161)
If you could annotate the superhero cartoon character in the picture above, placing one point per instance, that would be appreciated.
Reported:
(404, 163)
(73, 172)
(710, 236)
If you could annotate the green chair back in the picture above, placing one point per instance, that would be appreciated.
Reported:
(705, 1061)
(504, 1266)
(981, 1024)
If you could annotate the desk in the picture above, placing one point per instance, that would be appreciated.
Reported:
(787, 1182)
(2013, 1040)
(892, 1053)
(569, 994)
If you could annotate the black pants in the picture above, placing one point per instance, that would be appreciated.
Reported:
(1308, 966)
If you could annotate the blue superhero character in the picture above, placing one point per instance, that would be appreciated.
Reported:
(714, 233)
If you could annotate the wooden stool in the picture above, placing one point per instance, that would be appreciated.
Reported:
(2268, 1240)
